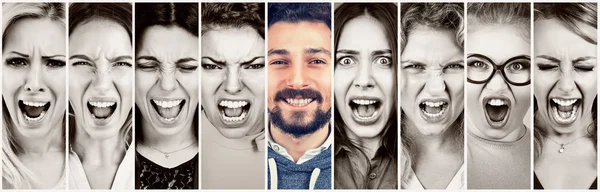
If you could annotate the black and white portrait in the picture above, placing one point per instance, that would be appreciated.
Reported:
(233, 95)
(100, 96)
(565, 108)
(166, 95)
(33, 95)
(432, 96)
(365, 92)
(498, 95)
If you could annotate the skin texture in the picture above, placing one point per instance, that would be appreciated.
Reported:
(364, 69)
(101, 69)
(233, 64)
(508, 41)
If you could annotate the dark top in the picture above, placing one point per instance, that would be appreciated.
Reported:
(153, 176)
(353, 170)
(538, 185)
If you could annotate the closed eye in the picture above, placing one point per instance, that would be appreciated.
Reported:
(545, 66)
(207, 66)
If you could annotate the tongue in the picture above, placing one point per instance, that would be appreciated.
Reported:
(564, 115)
(101, 112)
(168, 112)
(433, 110)
(567, 108)
(365, 110)
(497, 113)
(233, 112)
(33, 111)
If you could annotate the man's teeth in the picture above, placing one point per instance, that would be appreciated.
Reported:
(102, 103)
(231, 119)
(496, 102)
(363, 101)
(434, 104)
(564, 102)
(298, 102)
(168, 103)
(34, 103)
(233, 104)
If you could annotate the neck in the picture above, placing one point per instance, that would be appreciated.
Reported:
(444, 141)
(369, 145)
(515, 135)
(97, 152)
(51, 142)
(297, 146)
(167, 142)
(565, 137)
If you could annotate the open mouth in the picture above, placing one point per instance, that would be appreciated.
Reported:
(102, 109)
(168, 109)
(564, 111)
(433, 110)
(234, 111)
(34, 111)
(365, 110)
(496, 111)
(298, 101)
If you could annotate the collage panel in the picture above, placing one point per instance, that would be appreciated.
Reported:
(365, 95)
(233, 95)
(34, 96)
(166, 96)
(100, 96)
(565, 96)
(498, 92)
(299, 95)
(432, 96)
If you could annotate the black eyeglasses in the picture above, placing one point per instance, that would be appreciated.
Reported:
(516, 70)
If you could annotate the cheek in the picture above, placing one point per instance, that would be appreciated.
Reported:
(455, 88)
(55, 80)
(189, 82)
(143, 82)
(12, 80)
(255, 82)
(386, 81)
(522, 94)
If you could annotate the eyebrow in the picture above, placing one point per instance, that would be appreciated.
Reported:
(84, 57)
(184, 60)
(214, 61)
(553, 59)
(580, 59)
(20, 54)
(411, 61)
(278, 52)
(347, 51)
(147, 58)
(312, 51)
(251, 60)
(119, 58)
(381, 52)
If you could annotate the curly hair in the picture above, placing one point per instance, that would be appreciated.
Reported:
(234, 15)
(297, 12)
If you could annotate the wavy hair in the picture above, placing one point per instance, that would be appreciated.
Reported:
(13, 170)
(571, 15)
(440, 16)
(386, 14)
(235, 15)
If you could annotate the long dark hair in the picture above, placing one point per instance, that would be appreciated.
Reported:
(386, 14)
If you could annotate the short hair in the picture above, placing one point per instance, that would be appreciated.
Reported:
(81, 13)
(235, 15)
(13, 170)
(184, 15)
(570, 15)
(444, 16)
(298, 12)
(518, 14)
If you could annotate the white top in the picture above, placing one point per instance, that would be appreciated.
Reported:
(457, 182)
(123, 178)
(308, 155)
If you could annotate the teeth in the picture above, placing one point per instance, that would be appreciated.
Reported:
(496, 102)
(239, 118)
(298, 102)
(36, 118)
(34, 103)
(564, 102)
(363, 101)
(169, 119)
(102, 103)
(168, 103)
(433, 115)
(233, 104)
(434, 104)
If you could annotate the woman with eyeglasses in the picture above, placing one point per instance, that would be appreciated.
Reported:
(498, 95)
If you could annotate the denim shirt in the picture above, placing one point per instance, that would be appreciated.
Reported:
(354, 171)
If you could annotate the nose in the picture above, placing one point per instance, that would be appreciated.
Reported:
(566, 83)
(168, 81)
(298, 79)
(363, 77)
(34, 82)
(497, 82)
(435, 85)
(102, 83)
(233, 79)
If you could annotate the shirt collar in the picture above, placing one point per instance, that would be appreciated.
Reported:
(308, 154)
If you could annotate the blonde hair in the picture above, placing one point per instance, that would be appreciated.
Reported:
(13, 170)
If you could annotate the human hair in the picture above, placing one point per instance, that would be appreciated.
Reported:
(571, 15)
(13, 170)
(437, 16)
(183, 15)
(120, 13)
(517, 14)
(386, 14)
(298, 12)
(234, 15)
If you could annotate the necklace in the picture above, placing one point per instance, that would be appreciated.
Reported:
(562, 145)
(168, 153)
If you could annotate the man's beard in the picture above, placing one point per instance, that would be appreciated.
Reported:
(321, 118)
